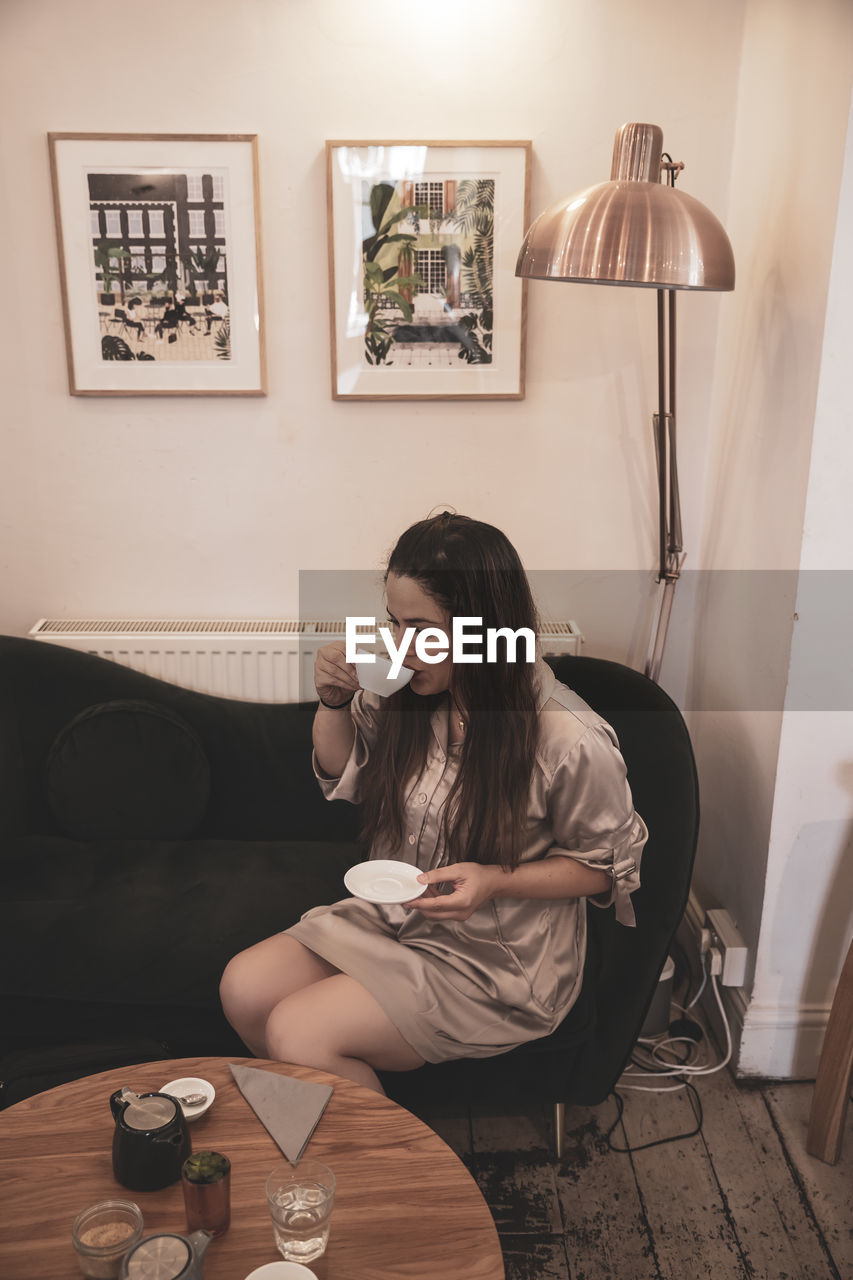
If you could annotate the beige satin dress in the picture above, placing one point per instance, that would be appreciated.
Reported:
(511, 972)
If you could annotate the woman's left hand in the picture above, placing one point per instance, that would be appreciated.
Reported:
(473, 884)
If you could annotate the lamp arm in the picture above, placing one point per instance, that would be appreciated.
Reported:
(675, 536)
(669, 503)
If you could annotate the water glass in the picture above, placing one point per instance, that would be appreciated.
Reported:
(300, 1198)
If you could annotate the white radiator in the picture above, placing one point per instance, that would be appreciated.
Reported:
(254, 659)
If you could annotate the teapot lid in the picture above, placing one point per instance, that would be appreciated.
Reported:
(148, 1113)
(158, 1258)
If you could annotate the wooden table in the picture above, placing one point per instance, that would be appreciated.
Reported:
(405, 1206)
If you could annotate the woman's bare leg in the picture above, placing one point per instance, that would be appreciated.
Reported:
(338, 1026)
(258, 979)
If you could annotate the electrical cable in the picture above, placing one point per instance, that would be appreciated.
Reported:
(706, 1070)
(683, 1008)
(681, 1068)
(696, 1105)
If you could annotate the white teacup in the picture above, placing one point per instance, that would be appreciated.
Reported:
(376, 676)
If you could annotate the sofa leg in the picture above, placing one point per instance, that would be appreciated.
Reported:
(559, 1121)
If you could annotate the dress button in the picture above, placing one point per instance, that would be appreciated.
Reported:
(422, 798)
(411, 839)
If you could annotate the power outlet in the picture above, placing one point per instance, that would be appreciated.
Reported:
(731, 946)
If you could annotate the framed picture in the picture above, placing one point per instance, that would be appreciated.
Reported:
(160, 263)
(423, 241)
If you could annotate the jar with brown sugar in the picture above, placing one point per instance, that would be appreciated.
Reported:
(102, 1235)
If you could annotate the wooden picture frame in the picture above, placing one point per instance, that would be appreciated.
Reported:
(159, 246)
(423, 242)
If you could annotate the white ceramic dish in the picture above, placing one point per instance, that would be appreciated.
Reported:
(376, 677)
(384, 880)
(191, 1084)
(281, 1271)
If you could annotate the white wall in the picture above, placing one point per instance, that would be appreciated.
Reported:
(774, 808)
(190, 507)
(807, 918)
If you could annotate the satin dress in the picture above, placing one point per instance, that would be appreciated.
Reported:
(511, 972)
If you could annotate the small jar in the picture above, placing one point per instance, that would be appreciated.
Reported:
(102, 1235)
(206, 1180)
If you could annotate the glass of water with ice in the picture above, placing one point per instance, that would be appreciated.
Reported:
(300, 1198)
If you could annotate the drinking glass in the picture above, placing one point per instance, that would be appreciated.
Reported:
(300, 1198)
(206, 1180)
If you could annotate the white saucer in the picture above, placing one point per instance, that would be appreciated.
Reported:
(191, 1084)
(384, 880)
(281, 1271)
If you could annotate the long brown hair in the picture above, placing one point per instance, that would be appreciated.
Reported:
(471, 570)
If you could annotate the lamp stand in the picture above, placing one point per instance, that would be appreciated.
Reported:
(670, 552)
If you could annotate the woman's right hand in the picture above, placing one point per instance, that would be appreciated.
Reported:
(335, 679)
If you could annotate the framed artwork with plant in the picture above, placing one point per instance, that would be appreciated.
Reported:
(423, 241)
(160, 263)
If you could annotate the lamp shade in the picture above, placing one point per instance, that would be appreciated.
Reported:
(632, 230)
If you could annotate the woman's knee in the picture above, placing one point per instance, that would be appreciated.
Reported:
(236, 986)
(257, 979)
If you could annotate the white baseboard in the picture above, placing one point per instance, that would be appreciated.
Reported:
(770, 1042)
(782, 1043)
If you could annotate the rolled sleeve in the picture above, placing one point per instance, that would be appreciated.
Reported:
(364, 711)
(593, 818)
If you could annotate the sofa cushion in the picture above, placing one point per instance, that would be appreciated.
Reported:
(128, 769)
(145, 922)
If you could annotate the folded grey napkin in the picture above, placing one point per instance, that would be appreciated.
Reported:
(289, 1109)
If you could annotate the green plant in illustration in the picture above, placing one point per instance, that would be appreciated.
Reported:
(106, 253)
(475, 206)
(222, 340)
(115, 348)
(385, 284)
(474, 216)
(151, 278)
(202, 263)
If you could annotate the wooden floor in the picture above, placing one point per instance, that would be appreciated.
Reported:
(740, 1199)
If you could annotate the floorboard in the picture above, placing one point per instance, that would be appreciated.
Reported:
(689, 1220)
(503, 1131)
(520, 1190)
(740, 1201)
(529, 1257)
(606, 1229)
(778, 1234)
(826, 1189)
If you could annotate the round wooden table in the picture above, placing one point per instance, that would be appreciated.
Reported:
(405, 1205)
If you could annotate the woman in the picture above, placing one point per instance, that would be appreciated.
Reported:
(218, 310)
(132, 321)
(507, 792)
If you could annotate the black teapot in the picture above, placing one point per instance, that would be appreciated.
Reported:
(151, 1139)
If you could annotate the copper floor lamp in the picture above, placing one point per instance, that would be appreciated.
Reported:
(637, 229)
